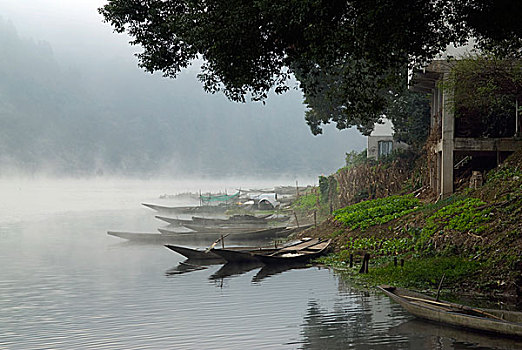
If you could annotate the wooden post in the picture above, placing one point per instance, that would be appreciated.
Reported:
(296, 221)
(440, 286)
(402, 262)
(351, 260)
(296, 189)
(365, 262)
(222, 242)
(315, 218)
(395, 261)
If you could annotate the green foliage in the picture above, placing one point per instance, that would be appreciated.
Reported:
(485, 90)
(375, 212)
(345, 68)
(410, 115)
(504, 173)
(324, 187)
(422, 273)
(306, 203)
(354, 159)
(380, 246)
(466, 215)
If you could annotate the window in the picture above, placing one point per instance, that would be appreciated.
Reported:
(385, 148)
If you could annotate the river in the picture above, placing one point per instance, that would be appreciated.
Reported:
(66, 284)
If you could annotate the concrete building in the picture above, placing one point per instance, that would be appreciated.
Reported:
(380, 141)
(453, 149)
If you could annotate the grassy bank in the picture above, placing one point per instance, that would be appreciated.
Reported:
(473, 238)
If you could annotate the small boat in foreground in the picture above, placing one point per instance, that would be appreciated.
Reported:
(501, 322)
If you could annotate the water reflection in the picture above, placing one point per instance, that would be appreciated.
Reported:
(66, 284)
(233, 269)
(271, 270)
(445, 337)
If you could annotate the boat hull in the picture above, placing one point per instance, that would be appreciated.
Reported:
(510, 325)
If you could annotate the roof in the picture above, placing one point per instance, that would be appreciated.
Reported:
(424, 80)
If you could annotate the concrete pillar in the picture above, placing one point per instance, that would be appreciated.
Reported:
(448, 143)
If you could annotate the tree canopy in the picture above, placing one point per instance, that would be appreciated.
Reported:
(350, 58)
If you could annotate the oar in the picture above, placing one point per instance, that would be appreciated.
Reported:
(215, 243)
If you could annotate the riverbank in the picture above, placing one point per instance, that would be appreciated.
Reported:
(472, 238)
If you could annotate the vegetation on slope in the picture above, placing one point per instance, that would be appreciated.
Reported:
(473, 238)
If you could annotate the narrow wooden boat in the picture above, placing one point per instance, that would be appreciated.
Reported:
(166, 236)
(297, 254)
(227, 228)
(195, 254)
(501, 322)
(245, 254)
(237, 256)
(265, 234)
(173, 221)
(205, 209)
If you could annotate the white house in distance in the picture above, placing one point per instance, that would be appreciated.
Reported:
(380, 141)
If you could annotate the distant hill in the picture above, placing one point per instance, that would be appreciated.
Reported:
(112, 118)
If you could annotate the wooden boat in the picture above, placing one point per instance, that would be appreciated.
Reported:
(242, 255)
(252, 235)
(215, 254)
(228, 228)
(493, 321)
(297, 254)
(234, 255)
(194, 254)
(168, 236)
(235, 220)
(173, 221)
(205, 209)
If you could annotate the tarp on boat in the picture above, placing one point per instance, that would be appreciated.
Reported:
(219, 198)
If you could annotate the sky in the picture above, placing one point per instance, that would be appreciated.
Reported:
(76, 33)
(73, 27)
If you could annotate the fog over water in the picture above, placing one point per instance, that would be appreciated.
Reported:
(66, 284)
(75, 103)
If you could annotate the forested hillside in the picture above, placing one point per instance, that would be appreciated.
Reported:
(78, 119)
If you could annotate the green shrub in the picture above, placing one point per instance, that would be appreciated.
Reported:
(375, 212)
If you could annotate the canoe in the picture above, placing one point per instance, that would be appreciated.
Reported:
(195, 254)
(173, 221)
(252, 235)
(500, 322)
(234, 255)
(228, 228)
(298, 253)
(206, 209)
(235, 220)
(245, 254)
(204, 239)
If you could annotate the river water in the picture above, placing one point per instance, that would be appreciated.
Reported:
(66, 284)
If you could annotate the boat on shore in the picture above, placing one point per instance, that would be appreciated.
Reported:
(238, 255)
(230, 228)
(299, 253)
(233, 221)
(203, 209)
(167, 236)
(250, 235)
(501, 322)
(194, 254)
